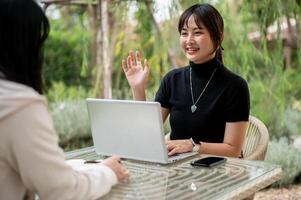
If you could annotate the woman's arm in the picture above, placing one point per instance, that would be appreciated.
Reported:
(165, 113)
(34, 152)
(231, 146)
(233, 141)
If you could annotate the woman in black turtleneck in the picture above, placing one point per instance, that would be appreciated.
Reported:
(208, 104)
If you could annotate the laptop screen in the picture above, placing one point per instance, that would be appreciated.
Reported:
(129, 129)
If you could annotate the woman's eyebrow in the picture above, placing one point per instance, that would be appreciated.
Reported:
(198, 28)
(194, 29)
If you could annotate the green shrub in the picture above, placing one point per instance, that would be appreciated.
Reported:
(67, 56)
(293, 118)
(281, 152)
(70, 119)
(59, 92)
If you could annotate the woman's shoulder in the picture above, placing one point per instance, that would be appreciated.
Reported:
(177, 71)
(14, 97)
(232, 77)
(9, 89)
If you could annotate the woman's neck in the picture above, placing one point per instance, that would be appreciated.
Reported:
(205, 69)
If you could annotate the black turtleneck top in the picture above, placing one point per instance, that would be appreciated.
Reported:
(226, 99)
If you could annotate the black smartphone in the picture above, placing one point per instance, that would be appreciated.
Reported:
(208, 161)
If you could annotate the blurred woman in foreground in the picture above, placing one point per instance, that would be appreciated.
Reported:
(31, 162)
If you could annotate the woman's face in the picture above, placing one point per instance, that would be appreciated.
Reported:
(196, 42)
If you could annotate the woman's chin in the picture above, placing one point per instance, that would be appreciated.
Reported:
(192, 58)
(199, 59)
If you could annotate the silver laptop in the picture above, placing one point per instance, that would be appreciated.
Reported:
(129, 129)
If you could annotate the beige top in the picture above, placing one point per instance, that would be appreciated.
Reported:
(30, 158)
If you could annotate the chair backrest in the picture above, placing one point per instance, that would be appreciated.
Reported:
(256, 141)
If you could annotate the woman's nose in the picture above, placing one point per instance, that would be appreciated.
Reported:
(190, 39)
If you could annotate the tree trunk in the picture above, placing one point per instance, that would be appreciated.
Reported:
(287, 54)
(92, 19)
(65, 12)
(94, 27)
(170, 54)
(99, 61)
(289, 44)
(106, 51)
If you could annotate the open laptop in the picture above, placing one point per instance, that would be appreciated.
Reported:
(129, 129)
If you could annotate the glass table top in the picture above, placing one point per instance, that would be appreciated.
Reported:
(235, 179)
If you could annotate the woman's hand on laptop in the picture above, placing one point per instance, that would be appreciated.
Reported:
(115, 164)
(178, 146)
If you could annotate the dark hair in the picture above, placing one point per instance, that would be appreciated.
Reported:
(23, 30)
(208, 16)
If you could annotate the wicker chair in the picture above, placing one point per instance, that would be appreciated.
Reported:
(256, 141)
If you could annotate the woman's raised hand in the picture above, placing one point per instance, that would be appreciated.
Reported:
(136, 74)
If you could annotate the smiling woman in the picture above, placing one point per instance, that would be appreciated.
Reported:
(208, 105)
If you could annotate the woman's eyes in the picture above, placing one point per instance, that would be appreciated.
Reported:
(194, 33)
(184, 33)
(198, 33)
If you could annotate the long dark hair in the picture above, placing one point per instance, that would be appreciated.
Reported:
(23, 30)
(208, 16)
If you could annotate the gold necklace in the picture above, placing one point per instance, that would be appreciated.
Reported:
(194, 107)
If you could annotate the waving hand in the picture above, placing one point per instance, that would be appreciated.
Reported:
(136, 74)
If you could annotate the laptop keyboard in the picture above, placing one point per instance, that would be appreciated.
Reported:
(176, 157)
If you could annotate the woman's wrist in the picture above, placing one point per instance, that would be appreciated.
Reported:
(195, 147)
(191, 143)
(139, 93)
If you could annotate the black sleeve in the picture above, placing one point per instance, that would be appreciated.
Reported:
(163, 93)
(237, 101)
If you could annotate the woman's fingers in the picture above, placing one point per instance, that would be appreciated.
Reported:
(169, 147)
(178, 146)
(126, 172)
(115, 164)
(131, 54)
(173, 151)
(146, 67)
(138, 61)
(124, 67)
(132, 62)
(129, 65)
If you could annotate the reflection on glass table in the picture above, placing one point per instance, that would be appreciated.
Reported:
(235, 179)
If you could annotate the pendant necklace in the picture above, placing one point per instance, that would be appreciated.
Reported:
(194, 107)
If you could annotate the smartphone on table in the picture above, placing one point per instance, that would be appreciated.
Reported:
(208, 161)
